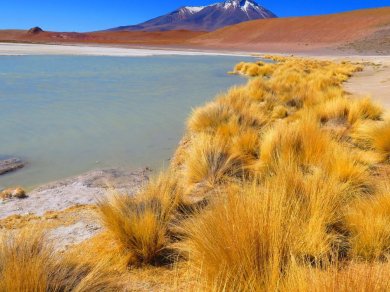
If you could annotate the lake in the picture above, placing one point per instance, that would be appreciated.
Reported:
(67, 115)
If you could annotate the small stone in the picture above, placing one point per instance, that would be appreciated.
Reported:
(51, 216)
(19, 193)
(9, 193)
(6, 194)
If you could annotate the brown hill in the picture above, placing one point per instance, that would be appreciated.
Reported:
(116, 38)
(364, 31)
(301, 33)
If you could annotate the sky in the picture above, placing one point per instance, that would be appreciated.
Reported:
(92, 15)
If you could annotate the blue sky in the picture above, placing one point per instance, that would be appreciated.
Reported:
(90, 15)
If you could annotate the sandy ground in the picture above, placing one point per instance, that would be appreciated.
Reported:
(7, 49)
(374, 81)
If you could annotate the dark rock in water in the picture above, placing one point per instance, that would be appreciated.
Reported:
(10, 164)
(35, 30)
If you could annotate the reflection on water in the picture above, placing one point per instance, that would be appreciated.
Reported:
(67, 115)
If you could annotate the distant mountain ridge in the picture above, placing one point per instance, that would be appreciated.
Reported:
(204, 18)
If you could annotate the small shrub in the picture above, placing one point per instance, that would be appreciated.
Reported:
(371, 135)
(368, 220)
(381, 140)
(236, 241)
(364, 109)
(208, 119)
(29, 263)
(210, 163)
(141, 223)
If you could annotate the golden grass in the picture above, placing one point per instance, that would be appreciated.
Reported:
(381, 140)
(209, 162)
(226, 252)
(368, 220)
(253, 234)
(255, 69)
(29, 263)
(242, 240)
(364, 109)
(23, 259)
(277, 186)
(140, 224)
(307, 167)
(354, 277)
(210, 117)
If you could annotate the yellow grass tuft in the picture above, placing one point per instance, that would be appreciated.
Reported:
(23, 259)
(29, 263)
(237, 242)
(364, 109)
(209, 162)
(140, 224)
(368, 219)
(210, 117)
(381, 139)
(254, 69)
(373, 135)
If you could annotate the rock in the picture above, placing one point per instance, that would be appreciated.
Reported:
(11, 164)
(17, 193)
(50, 215)
(6, 194)
(35, 30)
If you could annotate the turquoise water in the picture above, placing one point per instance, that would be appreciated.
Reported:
(66, 115)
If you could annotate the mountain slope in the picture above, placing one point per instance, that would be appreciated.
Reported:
(204, 18)
(304, 33)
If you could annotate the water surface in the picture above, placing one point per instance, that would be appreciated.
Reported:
(69, 114)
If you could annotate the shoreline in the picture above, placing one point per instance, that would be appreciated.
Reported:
(61, 196)
(121, 50)
(29, 49)
(373, 81)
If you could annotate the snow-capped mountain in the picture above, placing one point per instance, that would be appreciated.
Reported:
(204, 18)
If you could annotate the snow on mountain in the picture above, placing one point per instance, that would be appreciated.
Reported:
(204, 18)
(194, 9)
